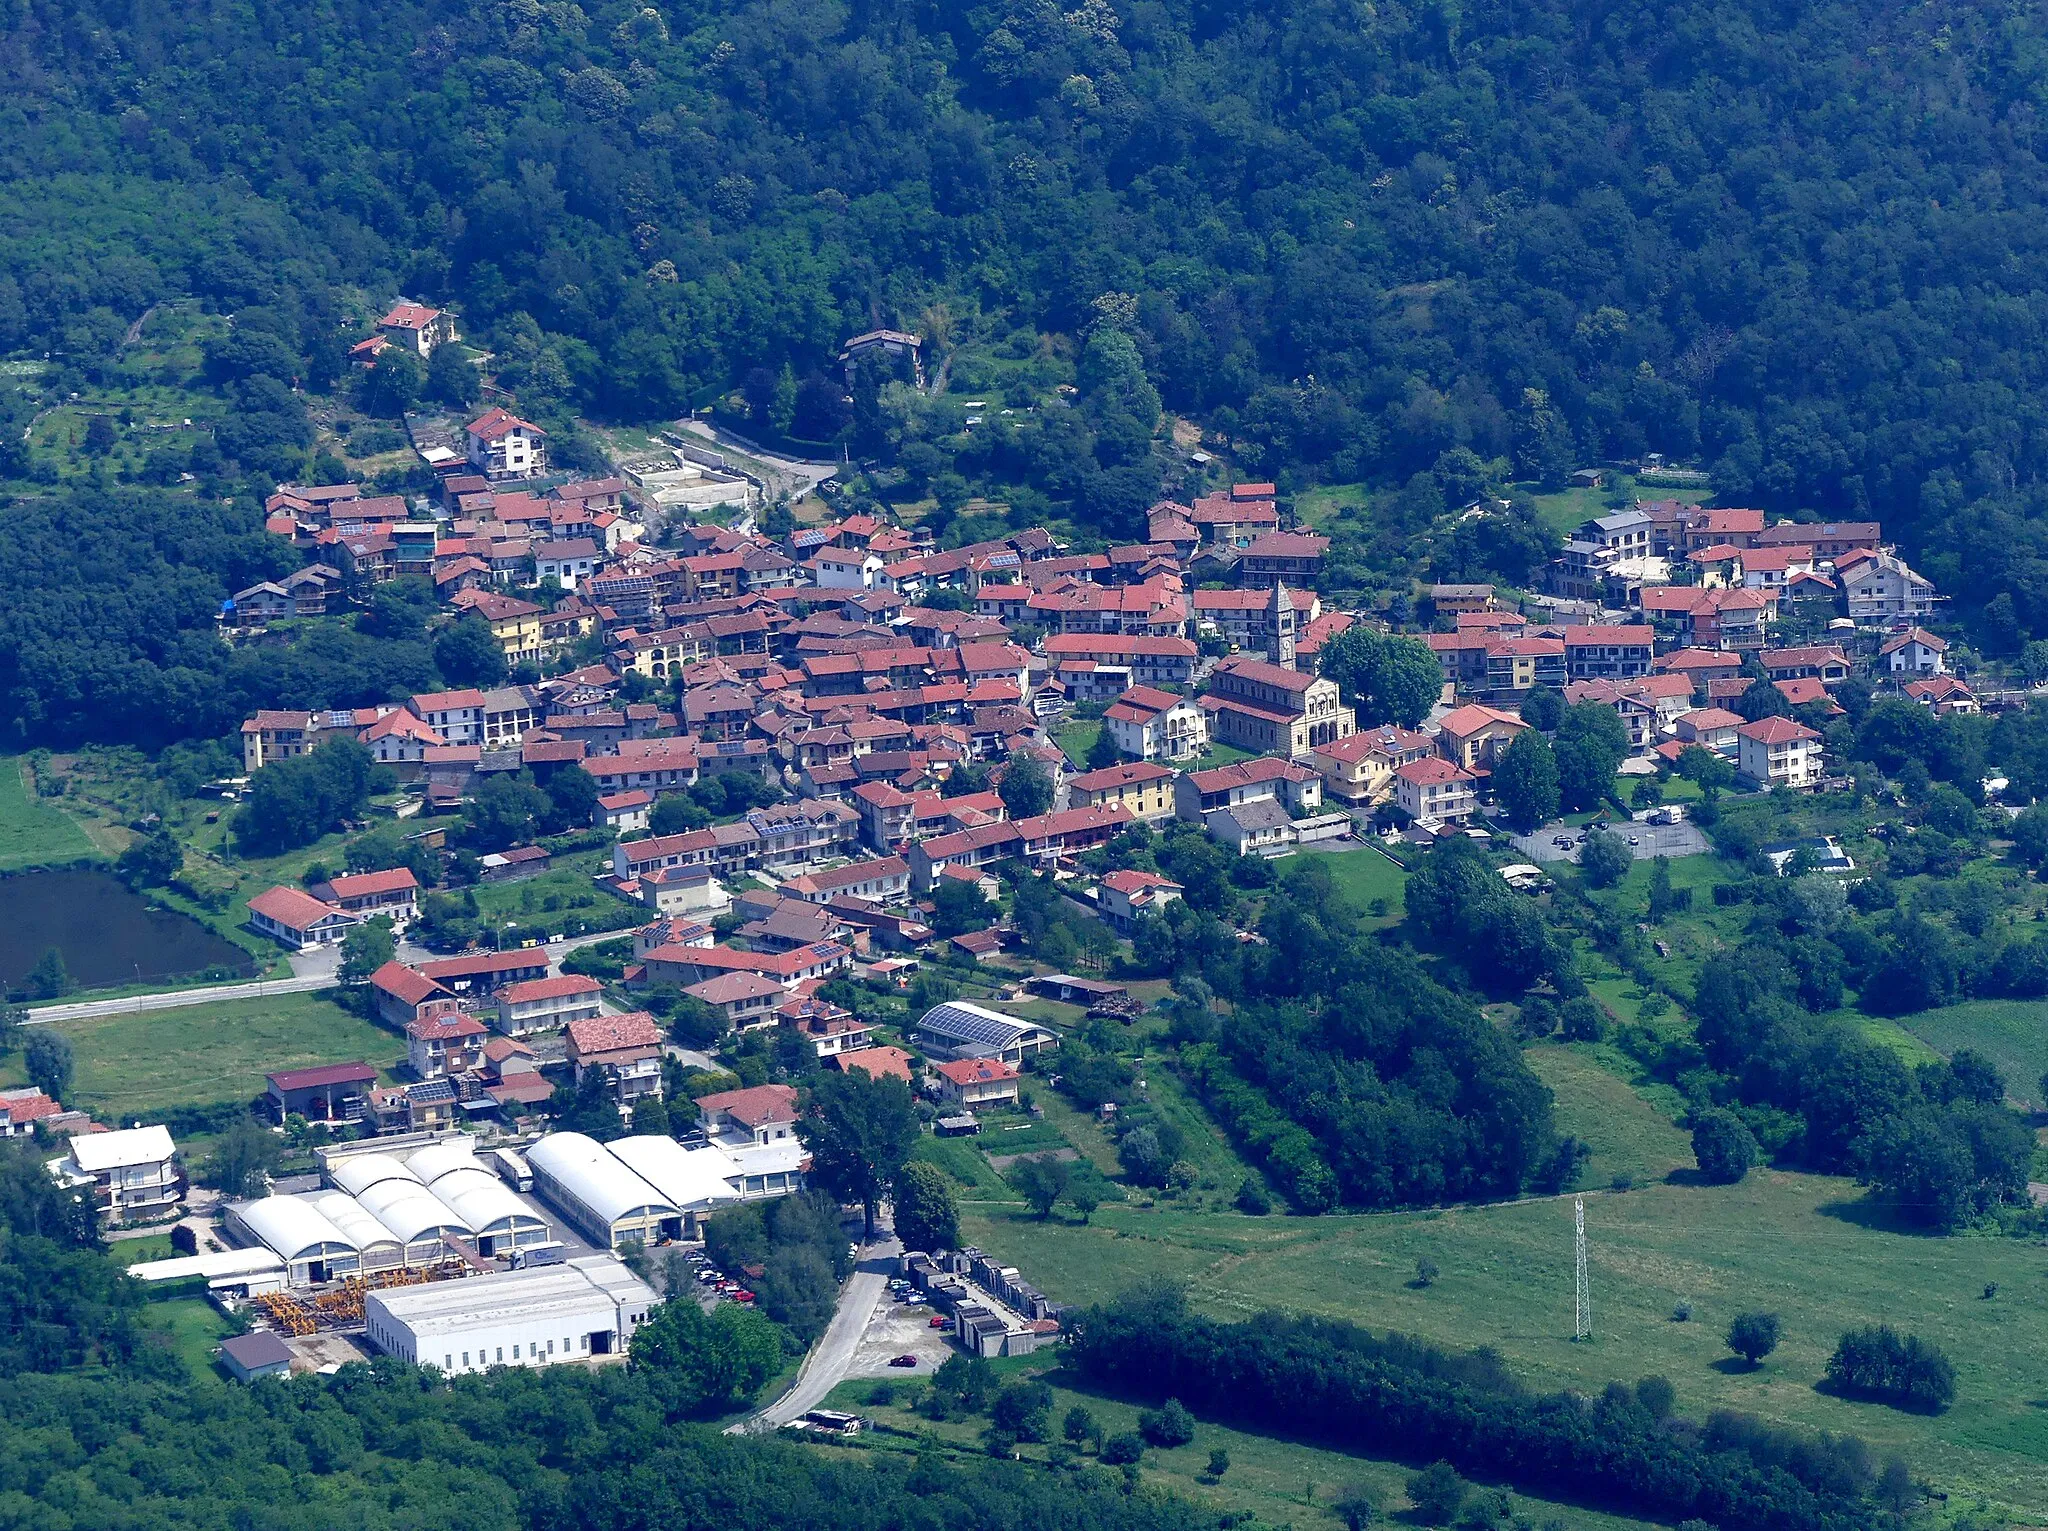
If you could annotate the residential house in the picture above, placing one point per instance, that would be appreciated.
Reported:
(1149, 724)
(875, 1062)
(1711, 728)
(131, 1174)
(1828, 539)
(417, 327)
(1777, 752)
(437, 1046)
(968, 1083)
(1434, 789)
(296, 919)
(1358, 770)
(1196, 793)
(1734, 527)
(516, 624)
(1274, 556)
(457, 716)
(1882, 590)
(403, 995)
(501, 446)
(1145, 660)
(21, 1108)
(762, 1114)
(1255, 827)
(1915, 652)
(1125, 895)
(831, 1031)
(1142, 787)
(1461, 598)
(1638, 714)
(546, 1004)
(746, 1000)
(627, 1047)
(1608, 653)
(568, 563)
(393, 894)
(329, 1093)
(1516, 665)
(624, 813)
(1474, 738)
(1944, 693)
(1825, 663)
(1728, 619)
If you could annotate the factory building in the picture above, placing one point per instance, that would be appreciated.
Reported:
(605, 1201)
(384, 1213)
(538, 1317)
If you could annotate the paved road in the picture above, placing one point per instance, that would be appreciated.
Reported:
(826, 1366)
(319, 974)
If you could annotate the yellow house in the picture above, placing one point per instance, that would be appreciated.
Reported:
(516, 624)
(1139, 786)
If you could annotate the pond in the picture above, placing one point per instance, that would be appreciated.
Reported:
(108, 935)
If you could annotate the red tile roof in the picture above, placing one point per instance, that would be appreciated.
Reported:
(965, 1071)
(613, 1033)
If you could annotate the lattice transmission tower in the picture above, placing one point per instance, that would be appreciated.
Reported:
(1582, 1291)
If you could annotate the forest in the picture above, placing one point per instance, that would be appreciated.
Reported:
(1375, 246)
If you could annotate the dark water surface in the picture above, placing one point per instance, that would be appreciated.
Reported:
(107, 934)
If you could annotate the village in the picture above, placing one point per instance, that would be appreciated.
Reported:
(917, 727)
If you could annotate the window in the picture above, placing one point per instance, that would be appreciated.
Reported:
(448, 1363)
(515, 1352)
(465, 1358)
(501, 1352)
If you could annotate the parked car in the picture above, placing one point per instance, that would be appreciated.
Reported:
(904, 1361)
(938, 1321)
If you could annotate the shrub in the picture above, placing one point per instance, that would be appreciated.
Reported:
(1252, 1198)
(1879, 1364)
(1168, 1425)
(1438, 1493)
(1126, 1448)
(1724, 1147)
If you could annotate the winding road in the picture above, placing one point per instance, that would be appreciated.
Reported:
(826, 1366)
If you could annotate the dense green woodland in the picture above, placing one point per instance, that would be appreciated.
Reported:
(1803, 246)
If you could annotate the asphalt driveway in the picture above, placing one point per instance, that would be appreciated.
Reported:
(1681, 839)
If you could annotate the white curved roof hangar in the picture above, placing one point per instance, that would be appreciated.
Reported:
(411, 1211)
(693, 1179)
(358, 1226)
(483, 1201)
(438, 1159)
(356, 1175)
(294, 1230)
(586, 1170)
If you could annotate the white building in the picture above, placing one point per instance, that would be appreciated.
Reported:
(1777, 752)
(502, 445)
(536, 1317)
(1149, 724)
(962, 1029)
(133, 1174)
(1881, 588)
(1434, 788)
(1916, 652)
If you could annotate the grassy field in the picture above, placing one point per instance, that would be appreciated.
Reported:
(1798, 1245)
(132, 1065)
(33, 832)
(194, 1327)
(542, 903)
(1362, 874)
(1275, 1481)
(2012, 1033)
(1629, 1137)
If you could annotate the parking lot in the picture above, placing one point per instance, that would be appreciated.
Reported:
(1681, 839)
(901, 1329)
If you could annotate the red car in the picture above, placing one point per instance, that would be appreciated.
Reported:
(939, 1321)
(904, 1361)
(743, 1296)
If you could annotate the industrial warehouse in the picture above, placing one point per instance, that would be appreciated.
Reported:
(434, 1249)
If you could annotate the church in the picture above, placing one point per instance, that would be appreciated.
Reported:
(1269, 707)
